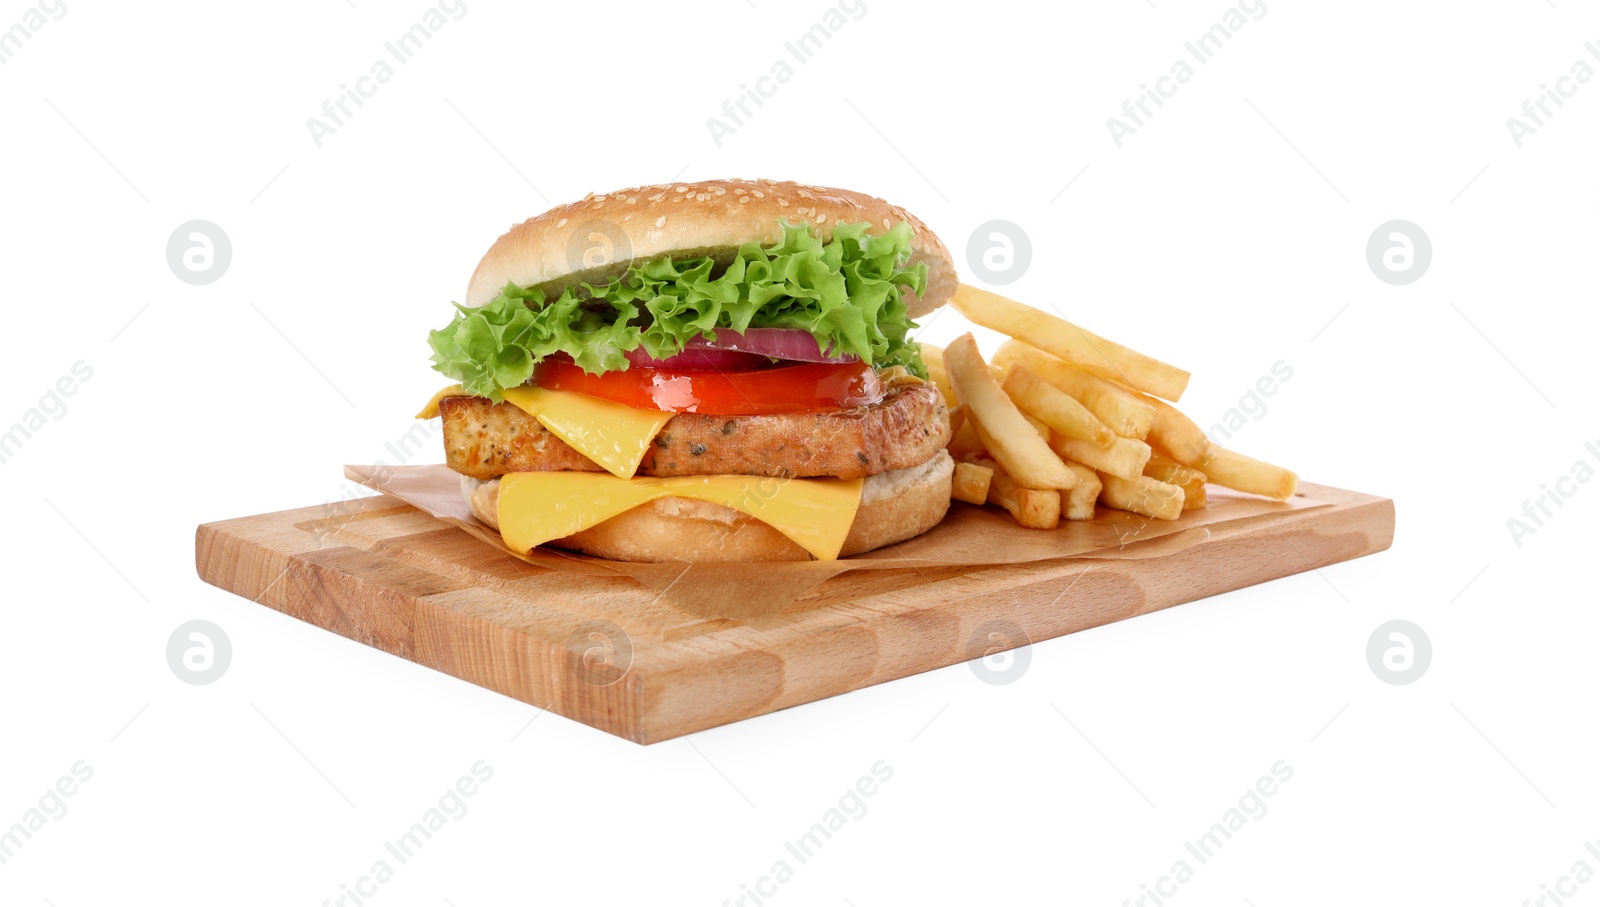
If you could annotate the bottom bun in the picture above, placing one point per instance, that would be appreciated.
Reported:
(895, 506)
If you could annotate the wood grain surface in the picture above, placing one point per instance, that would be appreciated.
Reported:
(606, 652)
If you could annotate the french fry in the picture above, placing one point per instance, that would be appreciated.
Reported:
(1242, 473)
(1008, 437)
(1062, 338)
(1125, 457)
(965, 439)
(941, 380)
(1123, 411)
(1038, 426)
(1176, 435)
(933, 360)
(971, 483)
(1078, 502)
(1037, 397)
(1191, 480)
(1032, 508)
(1063, 479)
(1142, 495)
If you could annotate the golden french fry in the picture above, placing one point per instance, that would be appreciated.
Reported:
(1032, 508)
(1038, 426)
(1191, 480)
(1078, 502)
(1037, 397)
(965, 439)
(1123, 411)
(941, 380)
(1242, 473)
(1124, 457)
(971, 483)
(1062, 338)
(933, 360)
(1063, 479)
(1142, 495)
(1176, 435)
(1008, 437)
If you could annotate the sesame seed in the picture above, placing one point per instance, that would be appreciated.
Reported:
(599, 204)
(562, 222)
(821, 218)
(782, 203)
(632, 199)
(679, 189)
(758, 193)
(720, 191)
(744, 199)
(803, 193)
(702, 197)
(658, 197)
(886, 223)
(661, 221)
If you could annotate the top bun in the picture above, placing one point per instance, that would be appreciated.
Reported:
(595, 239)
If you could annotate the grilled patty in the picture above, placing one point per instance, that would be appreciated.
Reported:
(484, 440)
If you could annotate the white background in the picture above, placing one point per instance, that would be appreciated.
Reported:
(1227, 234)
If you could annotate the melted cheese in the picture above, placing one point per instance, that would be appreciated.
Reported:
(432, 409)
(539, 507)
(611, 434)
(614, 436)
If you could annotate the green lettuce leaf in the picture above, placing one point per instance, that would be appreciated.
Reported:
(847, 293)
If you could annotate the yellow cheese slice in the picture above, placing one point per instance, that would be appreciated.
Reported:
(538, 507)
(614, 436)
(611, 434)
(432, 409)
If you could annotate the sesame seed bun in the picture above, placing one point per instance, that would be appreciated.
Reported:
(599, 237)
(895, 506)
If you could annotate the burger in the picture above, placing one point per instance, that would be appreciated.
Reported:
(709, 371)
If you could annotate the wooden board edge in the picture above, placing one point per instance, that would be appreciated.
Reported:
(670, 695)
(239, 558)
(423, 630)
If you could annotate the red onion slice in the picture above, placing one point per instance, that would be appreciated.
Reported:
(790, 344)
(699, 358)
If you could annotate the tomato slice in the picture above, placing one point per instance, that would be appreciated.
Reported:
(821, 387)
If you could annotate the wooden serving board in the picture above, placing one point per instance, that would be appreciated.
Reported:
(606, 652)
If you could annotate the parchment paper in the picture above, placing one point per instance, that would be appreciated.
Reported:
(969, 536)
